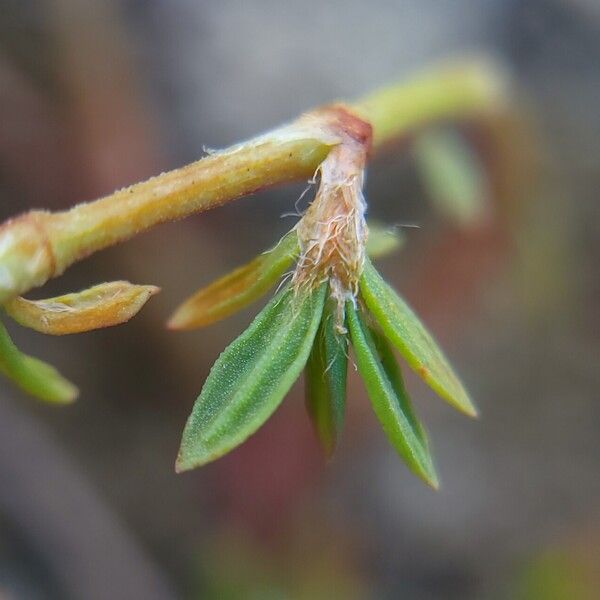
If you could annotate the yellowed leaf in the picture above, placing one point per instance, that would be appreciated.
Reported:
(237, 289)
(100, 306)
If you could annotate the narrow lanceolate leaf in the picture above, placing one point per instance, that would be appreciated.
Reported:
(390, 401)
(454, 176)
(394, 375)
(100, 306)
(251, 377)
(237, 289)
(407, 333)
(32, 375)
(326, 372)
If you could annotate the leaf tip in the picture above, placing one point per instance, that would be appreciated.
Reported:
(65, 396)
(71, 395)
(175, 323)
(188, 317)
(152, 290)
(180, 467)
(183, 463)
(328, 448)
(433, 481)
(473, 412)
(434, 485)
(428, 473)
(59, 391)
(466, 406)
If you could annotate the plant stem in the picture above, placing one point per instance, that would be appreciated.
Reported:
(455, 92)
(40, 245)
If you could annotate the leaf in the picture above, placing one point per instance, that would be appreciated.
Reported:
(454, 176)
(394, 375)
(403, 328)
(325, 374)
(390, 401)
(100, 306)
(383, 240)
(251, 377)
(32, 375)
(237, 289)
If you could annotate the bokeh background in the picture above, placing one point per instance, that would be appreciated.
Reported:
(95, 95)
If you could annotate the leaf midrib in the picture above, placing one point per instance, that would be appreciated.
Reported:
(247, 390)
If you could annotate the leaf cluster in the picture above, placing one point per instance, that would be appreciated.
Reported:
(299, 330)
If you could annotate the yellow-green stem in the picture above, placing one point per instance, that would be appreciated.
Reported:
(40, 245)
(458, 91)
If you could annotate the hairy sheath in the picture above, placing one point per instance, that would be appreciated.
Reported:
(333, 232)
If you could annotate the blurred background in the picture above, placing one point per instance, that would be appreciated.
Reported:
(95, 95)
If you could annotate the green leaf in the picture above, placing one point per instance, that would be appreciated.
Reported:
(390, 401)
(394, 374)
(454, 176)
(403, 328)
(237, 289)
(326, 372)
(32, 375)
(251, 377)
